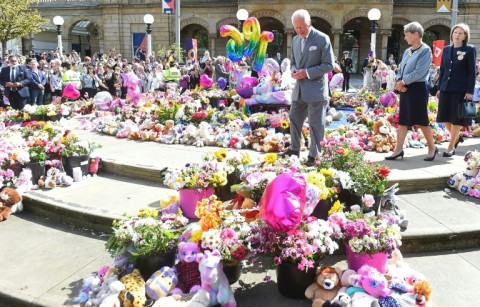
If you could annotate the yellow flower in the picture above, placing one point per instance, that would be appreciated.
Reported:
(246, 159)
(270, 158)
(370, 97)
(337, 206)
(221, 154)
(196, 235)
(284, 124)
(359, 109)
(146, 212)
(63, 140)
(316, 179)
(220, 178)
(326, 172)
(390, 110)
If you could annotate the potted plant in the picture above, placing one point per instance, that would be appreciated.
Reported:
(296, 253)
(194, 182)
(76, 152)
(368, 238)
(148, 241)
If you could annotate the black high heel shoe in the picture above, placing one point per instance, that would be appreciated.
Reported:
(395, 157)
(432, 157)
(449, 154)
(460, 140)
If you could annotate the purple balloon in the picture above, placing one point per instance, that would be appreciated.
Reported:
(245, 87)
(283, 201)
(222, 83)
(388, 99)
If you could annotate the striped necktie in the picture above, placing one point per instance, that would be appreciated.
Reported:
(303, 44)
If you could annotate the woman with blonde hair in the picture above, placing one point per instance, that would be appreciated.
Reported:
(456, 83)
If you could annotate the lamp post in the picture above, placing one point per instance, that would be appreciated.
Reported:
(148, 20)
(58, 21)
(374, 15)
(242, 15)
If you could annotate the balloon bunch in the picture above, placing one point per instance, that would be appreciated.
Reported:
(257, 45)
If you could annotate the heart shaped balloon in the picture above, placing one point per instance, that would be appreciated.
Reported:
(222, 83)
(131, 81)
(388, 99)
(206, 81)
(283, 201)
(245, 87)
(70, 92)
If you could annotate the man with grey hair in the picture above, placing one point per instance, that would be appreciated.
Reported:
(312, 59)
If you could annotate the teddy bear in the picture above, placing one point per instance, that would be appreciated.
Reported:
(383, 139)
(24, 181)
(203, 136)
(341, 300)
(389, 205)
(463, 181)
(325, 287)
(134, 293)
(475, 130)
(161, 283)
(273, 143)
(423, 291)
(256, 139)
(50, 180)
(200, 299)
(169, 133)
(187, 268)
(8, 198)
(244, 201)
(98, 294)
(475, 191)
(112, 298)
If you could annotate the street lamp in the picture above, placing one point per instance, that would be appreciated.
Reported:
(374, 15)
(242, 15)
(58, 21)
(148, 20)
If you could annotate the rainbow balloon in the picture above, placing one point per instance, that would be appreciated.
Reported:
(234, 44)
(251, 32)
(265, 38)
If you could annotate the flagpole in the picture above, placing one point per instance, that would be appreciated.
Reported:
(454, 13)
(177, 28)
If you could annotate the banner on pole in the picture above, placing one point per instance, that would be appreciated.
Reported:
(444, 6)
(138, 40)
(438, 46)
(191, 47)
(168, 6)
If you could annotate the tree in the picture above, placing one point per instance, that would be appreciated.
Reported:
(18, 19)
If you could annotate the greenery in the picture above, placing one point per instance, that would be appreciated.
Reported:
(369, 178)
(179, 57)
(73, 146)
(18, 19)
(37, 154)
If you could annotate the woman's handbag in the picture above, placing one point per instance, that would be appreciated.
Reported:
(467, 109)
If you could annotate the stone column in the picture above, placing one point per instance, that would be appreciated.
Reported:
(213, 47)
(289, 33)
(27, 44)
(384, 34)
(336, 42)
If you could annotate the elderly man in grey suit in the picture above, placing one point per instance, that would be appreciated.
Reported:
(312, 59)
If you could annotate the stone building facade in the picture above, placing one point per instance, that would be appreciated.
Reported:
(112, 23)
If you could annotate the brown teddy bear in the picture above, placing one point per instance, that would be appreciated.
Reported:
(325, 287)
(257, 139)
(8, 198)
(383, 139)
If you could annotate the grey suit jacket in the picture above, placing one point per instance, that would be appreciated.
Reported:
(318, 59)
(22, 75)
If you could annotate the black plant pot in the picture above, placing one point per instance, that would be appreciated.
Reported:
(152, 263)
(69, 163)
(357, 200)
(233, 271)
(38, 170)
(225, 193)
(292, 282)
(322, 208)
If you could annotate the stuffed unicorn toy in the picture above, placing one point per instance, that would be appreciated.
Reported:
(214, 280)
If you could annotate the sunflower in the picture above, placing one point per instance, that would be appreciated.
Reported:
(270, 158)
(221, 154)
(371, 97)
(359, 110)
(284, 124)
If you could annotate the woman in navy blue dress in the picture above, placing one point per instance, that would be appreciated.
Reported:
(456, 83)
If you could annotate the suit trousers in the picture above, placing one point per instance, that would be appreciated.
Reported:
(346, 82)
(16, 101)
(316, 120)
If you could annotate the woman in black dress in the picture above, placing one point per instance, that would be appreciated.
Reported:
(456, 83)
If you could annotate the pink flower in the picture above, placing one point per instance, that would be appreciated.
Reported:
(368, 200)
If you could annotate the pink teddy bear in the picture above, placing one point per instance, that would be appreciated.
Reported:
(187, 268)
(475, 190)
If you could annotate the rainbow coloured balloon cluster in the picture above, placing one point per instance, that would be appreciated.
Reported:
(257, 42)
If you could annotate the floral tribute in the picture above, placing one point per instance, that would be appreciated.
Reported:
(196, 176)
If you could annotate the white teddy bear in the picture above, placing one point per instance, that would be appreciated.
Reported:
(24, 182)
(199, 299)
(464, 181)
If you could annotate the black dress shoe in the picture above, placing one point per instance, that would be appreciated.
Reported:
(449, 154)
(432, 157)
(310, 162)
(289, 153)
(460, 140)
(396, 156)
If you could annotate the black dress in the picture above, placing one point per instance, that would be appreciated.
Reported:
(413, 105)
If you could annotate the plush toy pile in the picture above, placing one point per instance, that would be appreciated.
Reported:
(467, 181)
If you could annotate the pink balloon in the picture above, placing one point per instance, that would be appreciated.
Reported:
(131, 81)
(206, 81)
(388, 99)
(283, 201)
(70, 92)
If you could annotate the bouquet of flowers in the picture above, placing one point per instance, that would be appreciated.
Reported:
(209, 174)
(366, 233)
(304, 246)
(234, 161)
(369, 178)
(73, 146)
(341, 153)
(141, 236)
